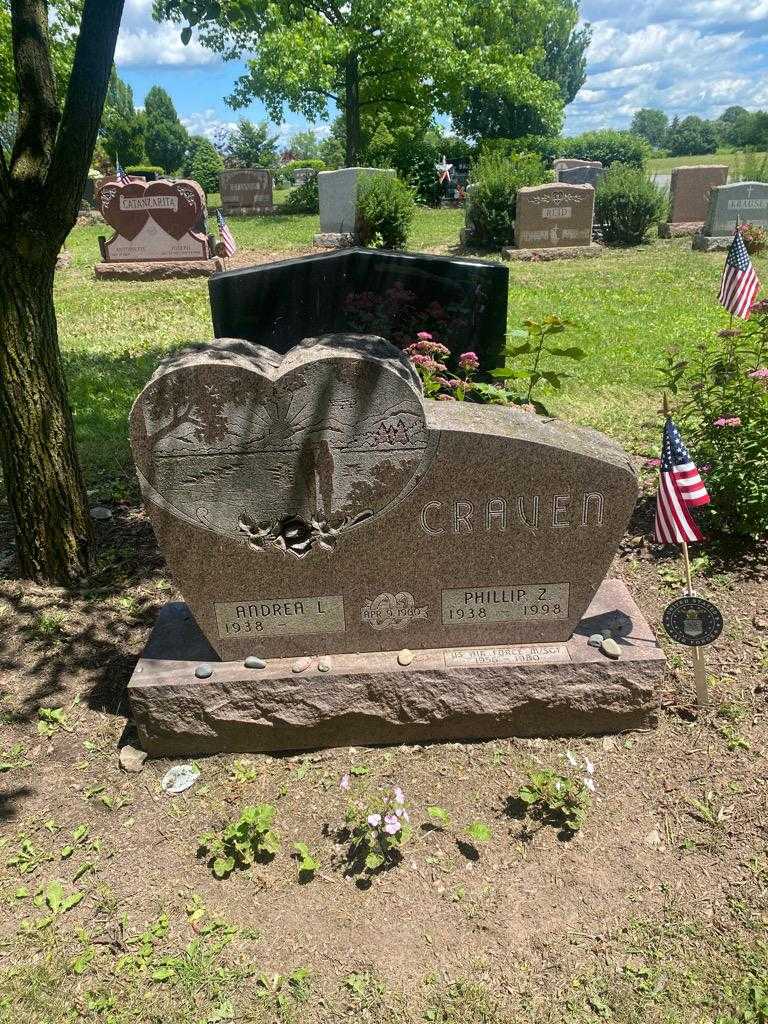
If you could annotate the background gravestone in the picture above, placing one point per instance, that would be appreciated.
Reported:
(301, 175)
(554, 216)
(315, 506)
(463, 303)
(246, 191)
(338, 203)
(158, 221)
(742, 201)
(578, 172)
(690, 189)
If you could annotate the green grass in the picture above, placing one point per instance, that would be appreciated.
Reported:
(667, 163)
(627, 306)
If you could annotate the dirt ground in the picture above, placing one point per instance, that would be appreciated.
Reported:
(656, 909)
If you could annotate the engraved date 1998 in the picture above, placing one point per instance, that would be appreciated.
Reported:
(533, 602)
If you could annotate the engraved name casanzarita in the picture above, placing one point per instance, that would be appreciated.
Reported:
(495, 514)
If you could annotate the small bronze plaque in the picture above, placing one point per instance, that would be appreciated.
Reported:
(280, 616)
(471, 606)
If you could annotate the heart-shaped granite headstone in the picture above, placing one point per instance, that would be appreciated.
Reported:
(314, 503)
(122, 207)
(174, 205)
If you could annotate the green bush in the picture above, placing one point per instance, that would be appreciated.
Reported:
(722, 412)
(385, 211)
(607, 146)
(292, 165)
(495, 181)
(205, 166)
(304, 198)
(150, 171)
(627, 202)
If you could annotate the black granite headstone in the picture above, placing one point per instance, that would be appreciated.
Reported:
(462, 303)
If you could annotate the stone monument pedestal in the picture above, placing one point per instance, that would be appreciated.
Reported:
(679, 230)
(711, 243)
(567, 252)
(157, 270)
(472, 693)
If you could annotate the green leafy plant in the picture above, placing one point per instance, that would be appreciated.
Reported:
(385, 211)
(536, 345)
(304, 198)
(27, 858)
(627, 203)
(250, 838)
(50, 720)
(308, 864)
(12, 758)
(479, 832)
(722, 411)
(378, 827)
(439, 817)
(555, 800)
(493, 195)
(607, 146)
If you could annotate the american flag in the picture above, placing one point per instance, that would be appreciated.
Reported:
(227, 239)
(122, 177)
(739, 283)
(680, 488)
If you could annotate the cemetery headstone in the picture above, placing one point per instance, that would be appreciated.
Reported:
(462, 303)
(338, 204)
(742, 201)
(160, 225)
(246, 191)
(301, 175)
(689, 193)
(348, 580)
(586, 172)
(554, 218)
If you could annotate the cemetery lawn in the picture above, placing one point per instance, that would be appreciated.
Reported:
(655, 912)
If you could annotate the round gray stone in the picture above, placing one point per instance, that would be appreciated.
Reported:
(253, 662)
(203, 671)
(405, 657)
(301, 664)
(324, 665)
(596, 640)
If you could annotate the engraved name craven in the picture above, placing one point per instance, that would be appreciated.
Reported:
(500, 514)
(287, 616)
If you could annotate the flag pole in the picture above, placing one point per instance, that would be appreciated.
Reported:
(699, 665)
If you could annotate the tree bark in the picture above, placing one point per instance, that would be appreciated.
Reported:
(352, 109)
(43, 480)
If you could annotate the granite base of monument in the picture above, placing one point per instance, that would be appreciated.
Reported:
(681, 230)
(475, 693)
(335, 240)
(711, 243)
(248, 211)
(568, 252)
(158, 271)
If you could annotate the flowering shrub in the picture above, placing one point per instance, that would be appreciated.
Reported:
(378, 827)
(723, 411)
(755, 238)
(430, 359)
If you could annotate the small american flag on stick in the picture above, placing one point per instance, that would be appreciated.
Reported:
(680, 488)
(227, 239)
(120, 174)
(739, 284)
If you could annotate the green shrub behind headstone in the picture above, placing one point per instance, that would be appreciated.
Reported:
(385, 211)
(304, 198)
(607, 146)
(495, 181)
(627, 203)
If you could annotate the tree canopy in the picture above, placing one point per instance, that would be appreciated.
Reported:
(366, 56)
(651, 125)
(249, 145)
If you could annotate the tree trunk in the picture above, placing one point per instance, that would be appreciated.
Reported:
(352, 110)
(43, 480)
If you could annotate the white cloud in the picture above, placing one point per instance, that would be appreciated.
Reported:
(207, 123)
(145, 43)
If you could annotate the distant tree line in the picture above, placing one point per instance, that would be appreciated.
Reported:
(737, 128)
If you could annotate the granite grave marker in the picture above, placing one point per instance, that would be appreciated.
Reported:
(246, 191)
(319, 517)
(338, 204)
(554, 216)
(690, 188)
(578, 172)
(463, 303)
(742, 201)
(154, 221)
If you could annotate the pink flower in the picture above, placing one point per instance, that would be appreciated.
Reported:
(391, 824)
(728, 421)
(424, 336)
(374, 820)
(652, 463)
(469, 361)
(344, 784)
(761, 373)
(399, 795)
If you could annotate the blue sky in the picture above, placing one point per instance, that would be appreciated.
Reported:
(690, 56)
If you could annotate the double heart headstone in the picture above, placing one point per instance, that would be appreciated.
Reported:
(158, 220)
(315, 503)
